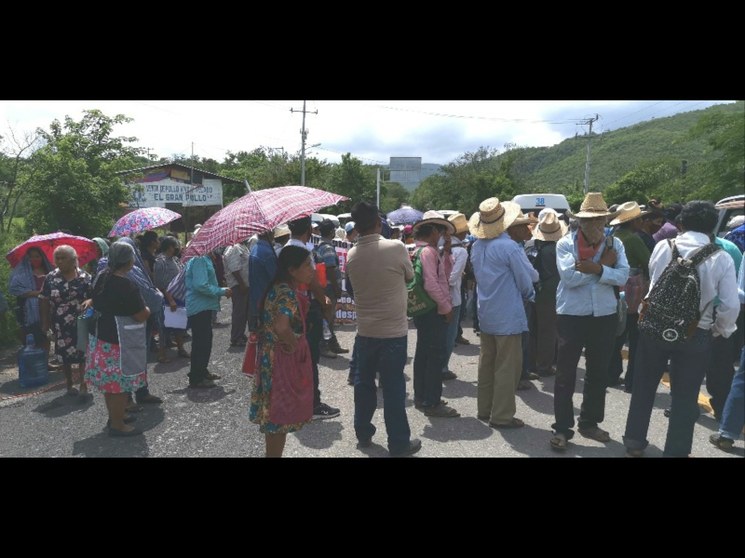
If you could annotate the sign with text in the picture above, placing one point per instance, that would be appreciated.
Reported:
(345, 311)
(161, 192)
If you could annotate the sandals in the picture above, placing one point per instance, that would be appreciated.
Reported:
(441, 410)
(595, 433)
(514, 423)
(559, 442)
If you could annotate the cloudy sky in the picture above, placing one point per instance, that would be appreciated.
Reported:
(373, 131)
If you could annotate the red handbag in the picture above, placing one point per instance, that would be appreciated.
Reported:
(249, 361)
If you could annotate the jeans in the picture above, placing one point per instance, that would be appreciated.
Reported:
(388, 357)
(314, 335)
(631, 333)
(451, 334)
(733, 416)
(201, 345)
(688, 363)
(720, 372)
(353, 363)
(429, 357)
(596, 335)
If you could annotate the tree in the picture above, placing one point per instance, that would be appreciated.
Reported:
(725, 136)
(392, 195)
(465, 183)
(12, 168)
(353, 179)
(72, 184)
(644, 182)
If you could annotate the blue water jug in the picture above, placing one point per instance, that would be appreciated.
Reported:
(32, 364)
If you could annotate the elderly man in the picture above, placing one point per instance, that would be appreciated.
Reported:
(379, 270)
(586, 306)
(504, 280)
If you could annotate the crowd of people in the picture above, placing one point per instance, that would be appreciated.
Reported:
(544, 290)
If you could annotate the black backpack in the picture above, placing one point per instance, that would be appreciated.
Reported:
(670, 312)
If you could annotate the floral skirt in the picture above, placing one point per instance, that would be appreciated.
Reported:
(102, 369)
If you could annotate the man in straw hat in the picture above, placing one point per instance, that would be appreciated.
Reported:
(521, 232)
(432, 326)
(587, 318)
(460, 258)
(503, 281)
(543, 350)
(627, 224)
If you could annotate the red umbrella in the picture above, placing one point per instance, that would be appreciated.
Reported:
(258, 212)
(86, 249)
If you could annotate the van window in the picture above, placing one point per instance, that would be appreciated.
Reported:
(536, 202)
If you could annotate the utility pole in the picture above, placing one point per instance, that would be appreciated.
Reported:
(589, 122)
(303, 136)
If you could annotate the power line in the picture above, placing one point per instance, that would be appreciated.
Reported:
(491, 118)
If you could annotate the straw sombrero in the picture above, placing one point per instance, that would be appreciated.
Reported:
(627, 212)
(523, 219)
(460, 223)
(434, 218)
(593, 206)
(550, 227)
(492, 218)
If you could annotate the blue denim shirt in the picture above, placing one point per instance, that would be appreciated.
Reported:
(504, 279)
(262, 267)
(587, 294)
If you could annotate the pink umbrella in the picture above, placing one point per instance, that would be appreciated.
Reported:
(258, 212)
(86, 249)
(143, 219)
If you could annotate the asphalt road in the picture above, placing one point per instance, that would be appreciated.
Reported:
(44, 422)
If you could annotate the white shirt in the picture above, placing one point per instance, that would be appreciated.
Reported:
(460, 258)
(300, 244)
(235, 258)
(716, 276)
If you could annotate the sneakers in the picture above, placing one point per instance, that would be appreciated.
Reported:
(415, 444)
(323, 412)
(722, 442)
(204, 384)
(460, 340)
(448, 375)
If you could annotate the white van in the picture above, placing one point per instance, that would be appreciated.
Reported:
(536, 202)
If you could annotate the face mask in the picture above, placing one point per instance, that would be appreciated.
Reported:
(593, 229)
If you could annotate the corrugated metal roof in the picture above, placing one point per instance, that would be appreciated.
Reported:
(179, 165)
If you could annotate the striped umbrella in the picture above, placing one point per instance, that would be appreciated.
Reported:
(143, 219)
(255, 213)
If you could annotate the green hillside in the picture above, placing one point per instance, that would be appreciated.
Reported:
(617, 152)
